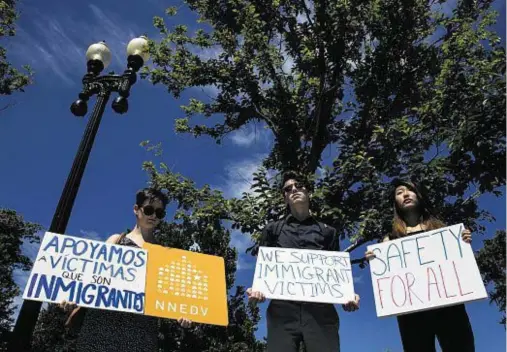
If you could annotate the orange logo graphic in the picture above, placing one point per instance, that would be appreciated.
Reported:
(185, 284)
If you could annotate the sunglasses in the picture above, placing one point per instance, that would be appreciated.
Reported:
(150, 210)
(299, 186)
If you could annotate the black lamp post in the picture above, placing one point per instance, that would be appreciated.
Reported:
(98, 57)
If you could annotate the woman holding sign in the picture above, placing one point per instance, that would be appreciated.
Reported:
(104, 330)
(413, 214)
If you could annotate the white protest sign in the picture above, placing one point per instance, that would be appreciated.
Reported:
(89, 273)
(304, 275)
(425, 271)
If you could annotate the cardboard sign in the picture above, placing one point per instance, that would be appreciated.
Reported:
(186, 284)
(425, 271)
(89, 273)
(304, 275)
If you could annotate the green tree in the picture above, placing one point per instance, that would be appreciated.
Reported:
(11, 79)
(491, 262)
(395, 88)
(198, 225)
(14, 231)
(50, 334)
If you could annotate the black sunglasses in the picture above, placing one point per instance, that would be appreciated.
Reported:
(150, 210)
(299, 186)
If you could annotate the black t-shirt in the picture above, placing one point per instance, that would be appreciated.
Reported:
(306, 234)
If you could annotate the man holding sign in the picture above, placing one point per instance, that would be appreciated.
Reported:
(423, 266)
(295, 317)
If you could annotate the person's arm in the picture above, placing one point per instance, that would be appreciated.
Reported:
(255, 296)
(113, 238)
(334, 245)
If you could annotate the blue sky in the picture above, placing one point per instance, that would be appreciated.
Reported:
(39, 137)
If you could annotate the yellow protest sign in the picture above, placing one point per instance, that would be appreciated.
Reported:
(185, 284)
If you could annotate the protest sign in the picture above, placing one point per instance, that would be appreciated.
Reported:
(185, 284)
(89, 273)
(425, 271)
(304, 275)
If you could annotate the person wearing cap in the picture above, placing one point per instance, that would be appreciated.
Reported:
(291, 323)
(413, 214)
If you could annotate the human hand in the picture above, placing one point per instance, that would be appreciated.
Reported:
(185, 323)
(466, 235)
(67, 306)
(255, 296)
(352, 306)
(369, 255)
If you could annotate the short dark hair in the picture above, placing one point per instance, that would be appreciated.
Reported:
(293, 175)
(150, 194)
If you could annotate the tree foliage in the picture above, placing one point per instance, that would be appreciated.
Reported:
(13, 232)
(198, 225)
(491, 262)
(392, 88)
(11, 79)
(50, 334)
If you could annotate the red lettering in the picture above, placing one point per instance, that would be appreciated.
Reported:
(404, 291)
(443, 282)
(409, 286)
(379, 290)
(457, 279)
(432, 283)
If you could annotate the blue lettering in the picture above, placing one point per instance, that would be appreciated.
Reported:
(443, 242)
(79, 292)
(68, 242)
(102, 253)
(60, 286)
(457, 238)
(398, 255)
(419, 250)
(403, 248)
(108, 268)
(141, 256)
(139, 301)
(124, 298)
(68, 264)
(130, 259)
(94, 247)
(119, 272)
(132, 272)
(116, 250)
(76, 251)
(377, 252)
(88, 299)
(101, 296)
(52, 243)
(33, 280)
(44, 285)
(54, 263)
(85, 262)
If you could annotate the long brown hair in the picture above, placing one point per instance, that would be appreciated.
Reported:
(427, 218)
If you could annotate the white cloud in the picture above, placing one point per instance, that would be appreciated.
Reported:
(59, 43)
(358, 279)
(239, 176)
(92, 235)
(242, 241)
(249, 134)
